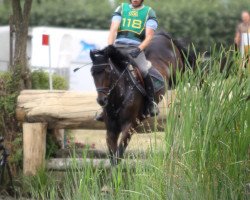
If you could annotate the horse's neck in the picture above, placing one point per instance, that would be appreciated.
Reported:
(120, 86)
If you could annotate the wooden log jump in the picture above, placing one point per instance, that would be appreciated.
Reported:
(40, 110)
(63, 164)
(59, 109)
(66, 109)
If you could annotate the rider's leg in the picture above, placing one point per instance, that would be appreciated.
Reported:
(144, 67)
(152, 106)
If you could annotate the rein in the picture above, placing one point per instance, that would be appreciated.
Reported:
(103, 64)
(108, 90)
(117, 81)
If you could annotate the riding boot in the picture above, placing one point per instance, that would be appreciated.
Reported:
(152, 106)
(100, 117)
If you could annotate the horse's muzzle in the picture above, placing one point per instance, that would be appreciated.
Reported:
(102, 101)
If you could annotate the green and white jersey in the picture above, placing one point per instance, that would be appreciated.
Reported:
(133, 21)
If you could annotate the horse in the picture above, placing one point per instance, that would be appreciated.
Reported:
(122, 102)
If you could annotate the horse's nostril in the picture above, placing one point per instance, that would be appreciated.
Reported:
(102, 101)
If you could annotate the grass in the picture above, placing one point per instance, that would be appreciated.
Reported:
(205, 156)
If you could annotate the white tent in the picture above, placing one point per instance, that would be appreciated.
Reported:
(4, 46)
(69, 48)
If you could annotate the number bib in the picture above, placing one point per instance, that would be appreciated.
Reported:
(133, 22)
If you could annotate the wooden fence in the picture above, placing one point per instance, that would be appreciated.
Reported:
(39, 110)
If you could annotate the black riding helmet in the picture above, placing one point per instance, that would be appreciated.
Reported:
(141, 1)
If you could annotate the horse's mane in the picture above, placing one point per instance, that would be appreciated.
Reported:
(187, 52)
(116, 56)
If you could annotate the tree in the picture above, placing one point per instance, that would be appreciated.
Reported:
(21, 15)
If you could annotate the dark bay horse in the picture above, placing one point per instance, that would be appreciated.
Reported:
(122, 103)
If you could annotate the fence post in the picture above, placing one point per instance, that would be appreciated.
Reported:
(34, 147)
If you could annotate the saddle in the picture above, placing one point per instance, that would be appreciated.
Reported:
(136, 77)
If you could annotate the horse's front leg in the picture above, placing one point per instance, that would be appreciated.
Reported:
(111, 139)
(125, 138)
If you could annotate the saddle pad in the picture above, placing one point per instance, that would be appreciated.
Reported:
(157, 78)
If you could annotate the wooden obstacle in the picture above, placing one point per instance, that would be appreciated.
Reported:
(40, 110)
(63, 164)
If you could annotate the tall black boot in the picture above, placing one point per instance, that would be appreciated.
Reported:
(152, 107)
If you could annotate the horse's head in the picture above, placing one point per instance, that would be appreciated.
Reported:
(100, 71)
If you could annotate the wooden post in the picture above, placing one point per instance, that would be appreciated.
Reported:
(58, 135)
(34, 147)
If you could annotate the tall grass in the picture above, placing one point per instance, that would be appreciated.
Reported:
(206, 148)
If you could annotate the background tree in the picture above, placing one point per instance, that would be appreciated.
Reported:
(21, 15)
(15, 80)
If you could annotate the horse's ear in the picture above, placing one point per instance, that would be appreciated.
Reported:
(92, 54)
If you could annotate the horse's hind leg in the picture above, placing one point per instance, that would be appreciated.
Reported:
(126, 136)
(111, 140)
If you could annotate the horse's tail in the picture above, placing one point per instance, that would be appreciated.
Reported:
(187, 53)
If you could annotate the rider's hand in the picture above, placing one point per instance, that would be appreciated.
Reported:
(135, 52)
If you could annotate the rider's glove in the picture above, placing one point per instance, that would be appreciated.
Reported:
(135, 52)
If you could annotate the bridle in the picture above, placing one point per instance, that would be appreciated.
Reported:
(101, 67)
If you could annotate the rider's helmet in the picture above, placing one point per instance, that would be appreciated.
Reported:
(141, 1)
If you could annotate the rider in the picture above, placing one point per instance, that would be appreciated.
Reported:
(131, 31)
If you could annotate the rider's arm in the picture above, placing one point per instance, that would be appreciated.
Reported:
(113, 31)
(151, 26)
(148, 37)
(115, 24)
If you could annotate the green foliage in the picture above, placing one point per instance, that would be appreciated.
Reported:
(202, 22)
(16, 157)
(77, 13)
(7, 100)
(4, 13)
(39, 184)
(8, 124)
(40, 80)
(51, 146)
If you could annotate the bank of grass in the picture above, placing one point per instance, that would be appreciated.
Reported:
(206, 149)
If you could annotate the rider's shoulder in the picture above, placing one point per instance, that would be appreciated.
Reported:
(151, 13)
(118, 10)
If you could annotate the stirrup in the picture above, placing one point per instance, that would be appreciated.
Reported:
(100, 117)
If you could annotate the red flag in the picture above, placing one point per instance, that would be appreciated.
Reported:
(45, 40)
